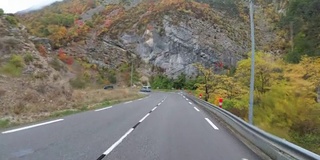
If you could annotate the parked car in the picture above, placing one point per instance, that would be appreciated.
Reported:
(145, 89)
(108, 87)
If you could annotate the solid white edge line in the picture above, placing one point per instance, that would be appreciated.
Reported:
(102, 109)
(118, 142)
(196, 109)
(212, 125)
(154, 109)
(127, 102)
(144, 117)
(190, 103)
(32, 126)
(140, 99)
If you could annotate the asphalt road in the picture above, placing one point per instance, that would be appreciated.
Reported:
(162, 126)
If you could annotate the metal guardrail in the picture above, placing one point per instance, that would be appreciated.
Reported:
(275, 147)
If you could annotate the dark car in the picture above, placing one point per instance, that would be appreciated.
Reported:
(108, 87)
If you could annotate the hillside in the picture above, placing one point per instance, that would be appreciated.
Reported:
(28, 79)
(37, 82)
(160, 32)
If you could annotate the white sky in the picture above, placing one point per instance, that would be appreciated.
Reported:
(13, 6)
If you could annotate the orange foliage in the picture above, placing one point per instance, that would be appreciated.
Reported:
(42, 50)
(61, 55)
(64, 57)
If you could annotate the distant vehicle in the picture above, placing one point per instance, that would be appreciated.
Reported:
(108, 87)
(145, 89)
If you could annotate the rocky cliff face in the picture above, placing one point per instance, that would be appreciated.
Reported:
(176, 40)
(183, 44)
(169, 34)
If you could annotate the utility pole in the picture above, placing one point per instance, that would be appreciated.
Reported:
(252, 63)
(131, 73)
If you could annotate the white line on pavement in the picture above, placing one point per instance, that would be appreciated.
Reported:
(190, 103)
(154, 109)
(187, 99)
(140, 99)
(102, 109)
(214, 126)
(118, 142)
(196, 109)
(144, 117)
(32, 126)
(159, 104)
(127, 102)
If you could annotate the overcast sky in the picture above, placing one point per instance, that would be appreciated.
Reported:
(13, 6)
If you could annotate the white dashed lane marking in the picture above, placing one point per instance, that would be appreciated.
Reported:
(102, 109)
(212, 125)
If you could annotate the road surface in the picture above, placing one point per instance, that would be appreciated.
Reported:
(162, 126)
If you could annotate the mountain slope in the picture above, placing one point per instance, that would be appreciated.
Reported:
(28, 79)
(171, 34)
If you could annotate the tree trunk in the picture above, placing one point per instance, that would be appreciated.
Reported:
(206, 98)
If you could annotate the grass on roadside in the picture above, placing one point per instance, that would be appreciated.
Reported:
(82, 100)
(4, 123)
(103, 104)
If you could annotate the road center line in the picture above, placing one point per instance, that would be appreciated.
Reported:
(159, 104)
(118, 142)
(212, 125)
(102, 109)
(154, 109)
(144, 117)
(196, 109)
(32, 126)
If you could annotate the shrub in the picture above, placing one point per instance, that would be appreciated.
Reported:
(78, 83)
(12, 20)
(14, 66)
(55, 63)
(28, 58)
(18, 108)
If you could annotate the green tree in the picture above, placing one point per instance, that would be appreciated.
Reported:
(304, 15)
(180, 82)
(1, 11)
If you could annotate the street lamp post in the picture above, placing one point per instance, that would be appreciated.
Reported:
(252, 64)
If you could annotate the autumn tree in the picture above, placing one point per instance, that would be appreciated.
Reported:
(207, 75)
(266, 71)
